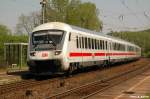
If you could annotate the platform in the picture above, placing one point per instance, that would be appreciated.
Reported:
(135, 88)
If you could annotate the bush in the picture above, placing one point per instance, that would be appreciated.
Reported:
(147, 54)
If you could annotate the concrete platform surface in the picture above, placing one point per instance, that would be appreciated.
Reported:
(135, 88)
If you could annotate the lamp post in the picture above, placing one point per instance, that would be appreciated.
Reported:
(43, 4)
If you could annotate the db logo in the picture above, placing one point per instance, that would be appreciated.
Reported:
(44, 54)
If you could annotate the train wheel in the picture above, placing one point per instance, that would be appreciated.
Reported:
(70, 70)
(105, 63)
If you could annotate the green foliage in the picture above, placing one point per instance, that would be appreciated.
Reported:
(147, 54)
(74, 12)
(6, 37)
(11, 39)
(141, 38)
(4, 30)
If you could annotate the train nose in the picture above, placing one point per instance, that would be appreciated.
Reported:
(42, 55)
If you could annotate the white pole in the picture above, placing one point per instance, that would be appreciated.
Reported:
(21, 56)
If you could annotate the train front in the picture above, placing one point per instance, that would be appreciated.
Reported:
(45, 49)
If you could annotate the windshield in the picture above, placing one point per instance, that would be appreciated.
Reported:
(45, 40)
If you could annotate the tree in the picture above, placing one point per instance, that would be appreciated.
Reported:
(73, 12)
(27, 23)
(4, 30)
(89, 16)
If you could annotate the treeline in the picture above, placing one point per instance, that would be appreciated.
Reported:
(73, 12)
(141, 38)
(7, 37)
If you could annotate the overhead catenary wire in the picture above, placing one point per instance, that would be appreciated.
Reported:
(121, 17)
(128, 8)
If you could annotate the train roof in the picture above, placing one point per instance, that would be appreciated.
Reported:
(65, 26)
(100, 34)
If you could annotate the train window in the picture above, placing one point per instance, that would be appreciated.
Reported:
(119, 47)
(98, 47)
(86, 42)
(114, 47)
(77, 41)
(110, 46)
(127, 48)
(123, 48)
(69, 36)
(106, 44)
(113, 44)
(95, 44)
(89, 43)
(82, 42)
(100, 44)
(103, 45)
(92, 43)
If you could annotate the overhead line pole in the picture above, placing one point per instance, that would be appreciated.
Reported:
(43, 12)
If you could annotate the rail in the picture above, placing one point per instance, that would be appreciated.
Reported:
(95, 87)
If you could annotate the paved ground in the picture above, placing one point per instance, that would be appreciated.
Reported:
(136, 88)
(10, 77)
(5, 79)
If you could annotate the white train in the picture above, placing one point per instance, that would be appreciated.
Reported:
(59, 47)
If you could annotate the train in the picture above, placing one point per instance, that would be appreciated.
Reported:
(60, 47)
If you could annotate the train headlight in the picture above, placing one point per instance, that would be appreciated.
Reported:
(32, 53)
(57, 52)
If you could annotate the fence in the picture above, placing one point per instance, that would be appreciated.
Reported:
(15, 55)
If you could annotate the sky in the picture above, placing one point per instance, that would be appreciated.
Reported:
(116, 15)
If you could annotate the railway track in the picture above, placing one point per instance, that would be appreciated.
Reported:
(24, 84)
(90, 89)
(76, 92)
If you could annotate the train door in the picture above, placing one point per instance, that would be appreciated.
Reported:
(106, 48)
(74, 48)
(109, 52)
(79, 48)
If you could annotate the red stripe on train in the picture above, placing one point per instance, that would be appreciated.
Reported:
(72, 54)
(99, 54)
(80, 54)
